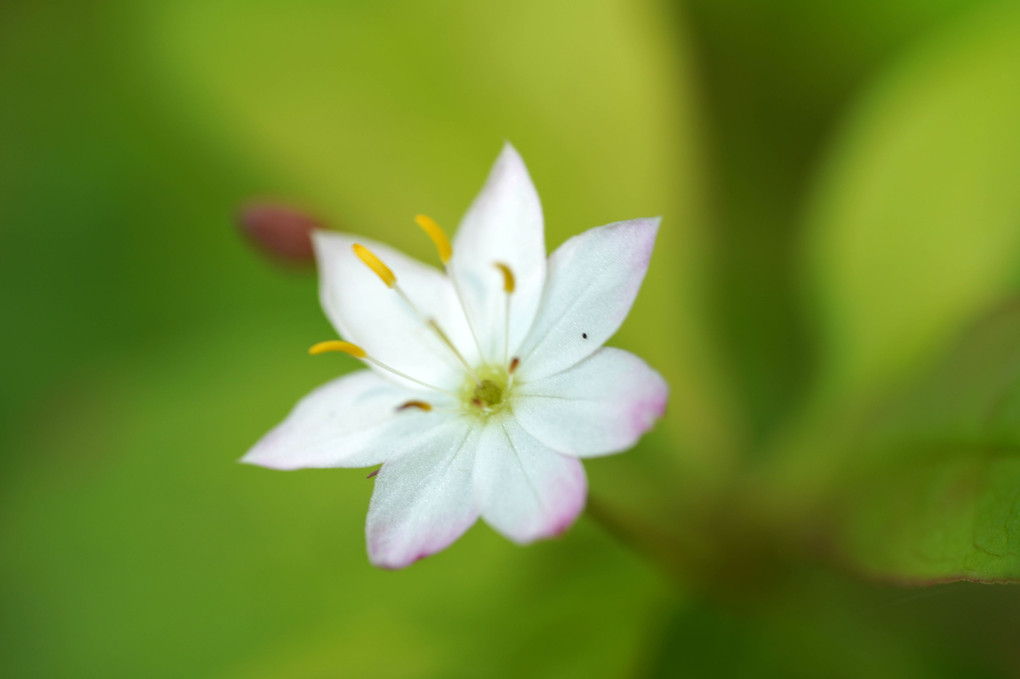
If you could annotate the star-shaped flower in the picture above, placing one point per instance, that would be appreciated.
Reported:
(486, 383)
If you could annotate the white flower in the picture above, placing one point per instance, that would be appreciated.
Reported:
(486, 384)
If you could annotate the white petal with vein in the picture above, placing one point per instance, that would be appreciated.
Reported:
(526, 490)
(349, 422)
(422, 502)
(503, 225)
(602, 405)
(592, 282)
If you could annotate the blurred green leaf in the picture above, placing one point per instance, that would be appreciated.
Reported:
(822, 625)
(916, 223)
(134, 542)
(776, 76)
(945, 520)
(932, 491)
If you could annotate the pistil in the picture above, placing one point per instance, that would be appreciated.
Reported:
(491, 394)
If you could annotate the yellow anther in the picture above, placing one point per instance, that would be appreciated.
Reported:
(434, 232)
(420, 405)
(375, 264)
(508, 277)
(337, 345)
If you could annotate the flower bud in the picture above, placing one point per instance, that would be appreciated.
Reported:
(279, 230)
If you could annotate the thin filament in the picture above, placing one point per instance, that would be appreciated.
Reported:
(434, 327)
(357, 352)
(445, 252)
(380, 364)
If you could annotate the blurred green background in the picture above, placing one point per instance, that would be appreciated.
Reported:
(831, 301)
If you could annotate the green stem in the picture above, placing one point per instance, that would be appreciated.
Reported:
(667, 553)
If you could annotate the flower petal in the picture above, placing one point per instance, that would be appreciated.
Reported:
(373, 316)
(424, 501)
(350, 422)
(526, 490)
(593, 280)
(600, 406)
(503, 225)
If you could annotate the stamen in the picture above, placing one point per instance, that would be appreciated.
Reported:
(467, 316)
(357, 352)
(396, 372)
(445, 251)
(513, 365)
(446, 340)
(439, 238)
(383, 271)
(508, 287)
(337, 345)
(508, 277)
(375, 264)
(420, 405)
(434, 327)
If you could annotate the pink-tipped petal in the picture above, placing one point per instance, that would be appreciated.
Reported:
(423, 501)
(602, 405)
(504, 225)
(592, 282)
(368, 313)
(526, 490)
(349, 422)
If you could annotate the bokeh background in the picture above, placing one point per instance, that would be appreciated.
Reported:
(840, 191)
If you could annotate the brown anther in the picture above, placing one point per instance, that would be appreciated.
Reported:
(374, 473)
(513, 365)
(476, 402)
(420, 405)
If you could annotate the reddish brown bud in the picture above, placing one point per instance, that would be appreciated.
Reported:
(279, 230)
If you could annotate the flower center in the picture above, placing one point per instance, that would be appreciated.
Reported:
(489, 393)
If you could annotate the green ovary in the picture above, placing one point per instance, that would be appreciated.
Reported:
(487, 394)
